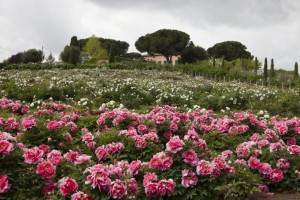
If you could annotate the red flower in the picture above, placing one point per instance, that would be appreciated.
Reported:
(101, 153)
(254, 163)
(33, 155)
(80, 196)
(175, 144)
(6, 147)
(151, 190)
(4, 185)
(117, 189)
(276, 175)
(204, 168)
(67, 185)
(190, 157)
(46, 169)
(294, 149)
(165, 187)
(53, 125)
(189, 178)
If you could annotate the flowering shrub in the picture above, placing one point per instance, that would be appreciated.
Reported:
(58, 151)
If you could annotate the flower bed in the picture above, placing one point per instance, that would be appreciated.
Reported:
(60, 152)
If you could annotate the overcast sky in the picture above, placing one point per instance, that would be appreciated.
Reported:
(269, 28)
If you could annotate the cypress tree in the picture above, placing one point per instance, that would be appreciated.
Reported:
(272, 71)
(266, 69)
(255, 66)
(296, 74)
(74, 42)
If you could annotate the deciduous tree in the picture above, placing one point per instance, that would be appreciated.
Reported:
(94, 50)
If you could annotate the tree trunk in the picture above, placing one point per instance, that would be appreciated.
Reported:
(169, 59)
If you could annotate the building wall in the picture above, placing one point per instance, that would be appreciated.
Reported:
(160, 59)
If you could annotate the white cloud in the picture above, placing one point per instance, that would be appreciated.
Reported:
(268, 28)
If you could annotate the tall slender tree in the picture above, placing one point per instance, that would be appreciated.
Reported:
(296, 73)
(266, 69)
(272, 70)
(255, 66)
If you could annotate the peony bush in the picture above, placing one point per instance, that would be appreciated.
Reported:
(58, 151)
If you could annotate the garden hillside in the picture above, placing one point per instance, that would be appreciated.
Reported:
(103, 133)
(142, 89)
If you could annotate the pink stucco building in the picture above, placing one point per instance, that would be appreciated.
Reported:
(160, 59)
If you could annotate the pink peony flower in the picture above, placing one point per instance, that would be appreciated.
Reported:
(151, 190)
(226, 154)
(101, 121)
(134, 167)
(45, 148)
(243, 152)
(101, 153)
(294, 149)
(255, 137)
(148, 178)
(53, 125)
(4, 185)
(6, 147)
(98, 177)
(46, 169)
(71, 156)
(262, 143)
(190, 157)
(117, 189)
(276, 175)
(201, 144)
(48, 188)
(160, 120)
(168, 135)
(33, 155)
(88, 137)
(83, 159)
(114, 147)
(175, 144)
(265, 168)
(282, 129)
(67, 185)
(91, 145)
(173, 127)
(80, 196)
(283, 164)
(69, 137)
(254, 163)
(28, 122)
(54, 157)
(165, 187)
(142, 128)
(219, 162)
(140, 143)
(204, 168)
(241, 162)
(189, 178)
(132, 188)
(291, 141)
(161, 161)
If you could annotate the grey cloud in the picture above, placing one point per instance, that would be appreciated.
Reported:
(237, 13)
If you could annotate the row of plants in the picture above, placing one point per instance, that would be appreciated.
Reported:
(56, 151)
(138, 89)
